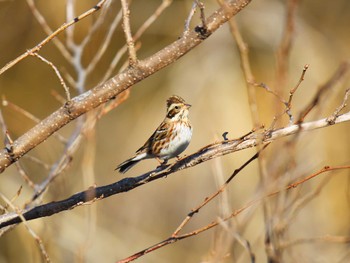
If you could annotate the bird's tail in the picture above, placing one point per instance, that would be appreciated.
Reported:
(125, 166)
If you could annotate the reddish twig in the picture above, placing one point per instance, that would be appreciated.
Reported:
(174, 238)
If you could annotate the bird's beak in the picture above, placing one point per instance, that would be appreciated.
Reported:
(188, 106)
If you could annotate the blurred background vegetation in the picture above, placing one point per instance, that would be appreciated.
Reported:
(211, 79)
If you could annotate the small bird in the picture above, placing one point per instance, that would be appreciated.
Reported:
(169, 140)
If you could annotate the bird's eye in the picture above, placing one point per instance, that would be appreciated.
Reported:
(177, 107)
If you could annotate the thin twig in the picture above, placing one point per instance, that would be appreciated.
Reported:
(115, 103)
(96, 26)
(189, 18)
(58, 74)
(102, 49)
(150, 20)
(138, 34)
(323, 170)
(9, 144)
(243, 242)
(291, 95)
(61, 164)
(301, 79)
(211, 197)
(20, 110)
(302, 201)
(127, 30)
(335, 114)
(202, 14)
(285, 47)
(50, 37)
(336, 77)
(42, 21)
(29, 229)
(287, 104)
(172, 239)
(30, 116)
(247, 70)
(271, 91)
(25, 176)
(70, 13)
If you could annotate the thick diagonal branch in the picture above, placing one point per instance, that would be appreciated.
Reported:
(114, 86)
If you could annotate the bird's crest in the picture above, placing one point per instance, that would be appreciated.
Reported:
(174, 99)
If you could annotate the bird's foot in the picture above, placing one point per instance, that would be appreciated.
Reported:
(162, 163)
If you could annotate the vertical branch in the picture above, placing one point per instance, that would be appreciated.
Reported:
(127, 30)
(88, 172)
(70, 31)
(285, 46)
(274, 208)
(137, 35)
(247, 71)
(189, 18)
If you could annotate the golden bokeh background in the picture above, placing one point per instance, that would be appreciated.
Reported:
(211, 79)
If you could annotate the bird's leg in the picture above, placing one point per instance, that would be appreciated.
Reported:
(161, 163)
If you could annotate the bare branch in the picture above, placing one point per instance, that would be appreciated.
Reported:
(105, 43)
(173, 238)
(247, 71)
(127, 30)
(58, 74)
(29, 229)
(335, 114)
(189, 18)
(284, 49)
(210, 198)
(287, 104)
(336, 77)
(40, 18)
(61, 164)
(292, 91)
(138, 34)
(111, 88)
(50, 37)
(207, 153)
(30, 116)
(203, 28)
(278, 174)
(9, 144)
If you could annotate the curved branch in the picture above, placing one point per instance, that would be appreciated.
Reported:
(114, 86)
(207, 153)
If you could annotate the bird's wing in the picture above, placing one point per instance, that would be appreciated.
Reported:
(159, 134)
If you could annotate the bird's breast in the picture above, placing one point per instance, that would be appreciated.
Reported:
(178, 141)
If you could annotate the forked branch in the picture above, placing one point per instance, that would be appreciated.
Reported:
(116, 85)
